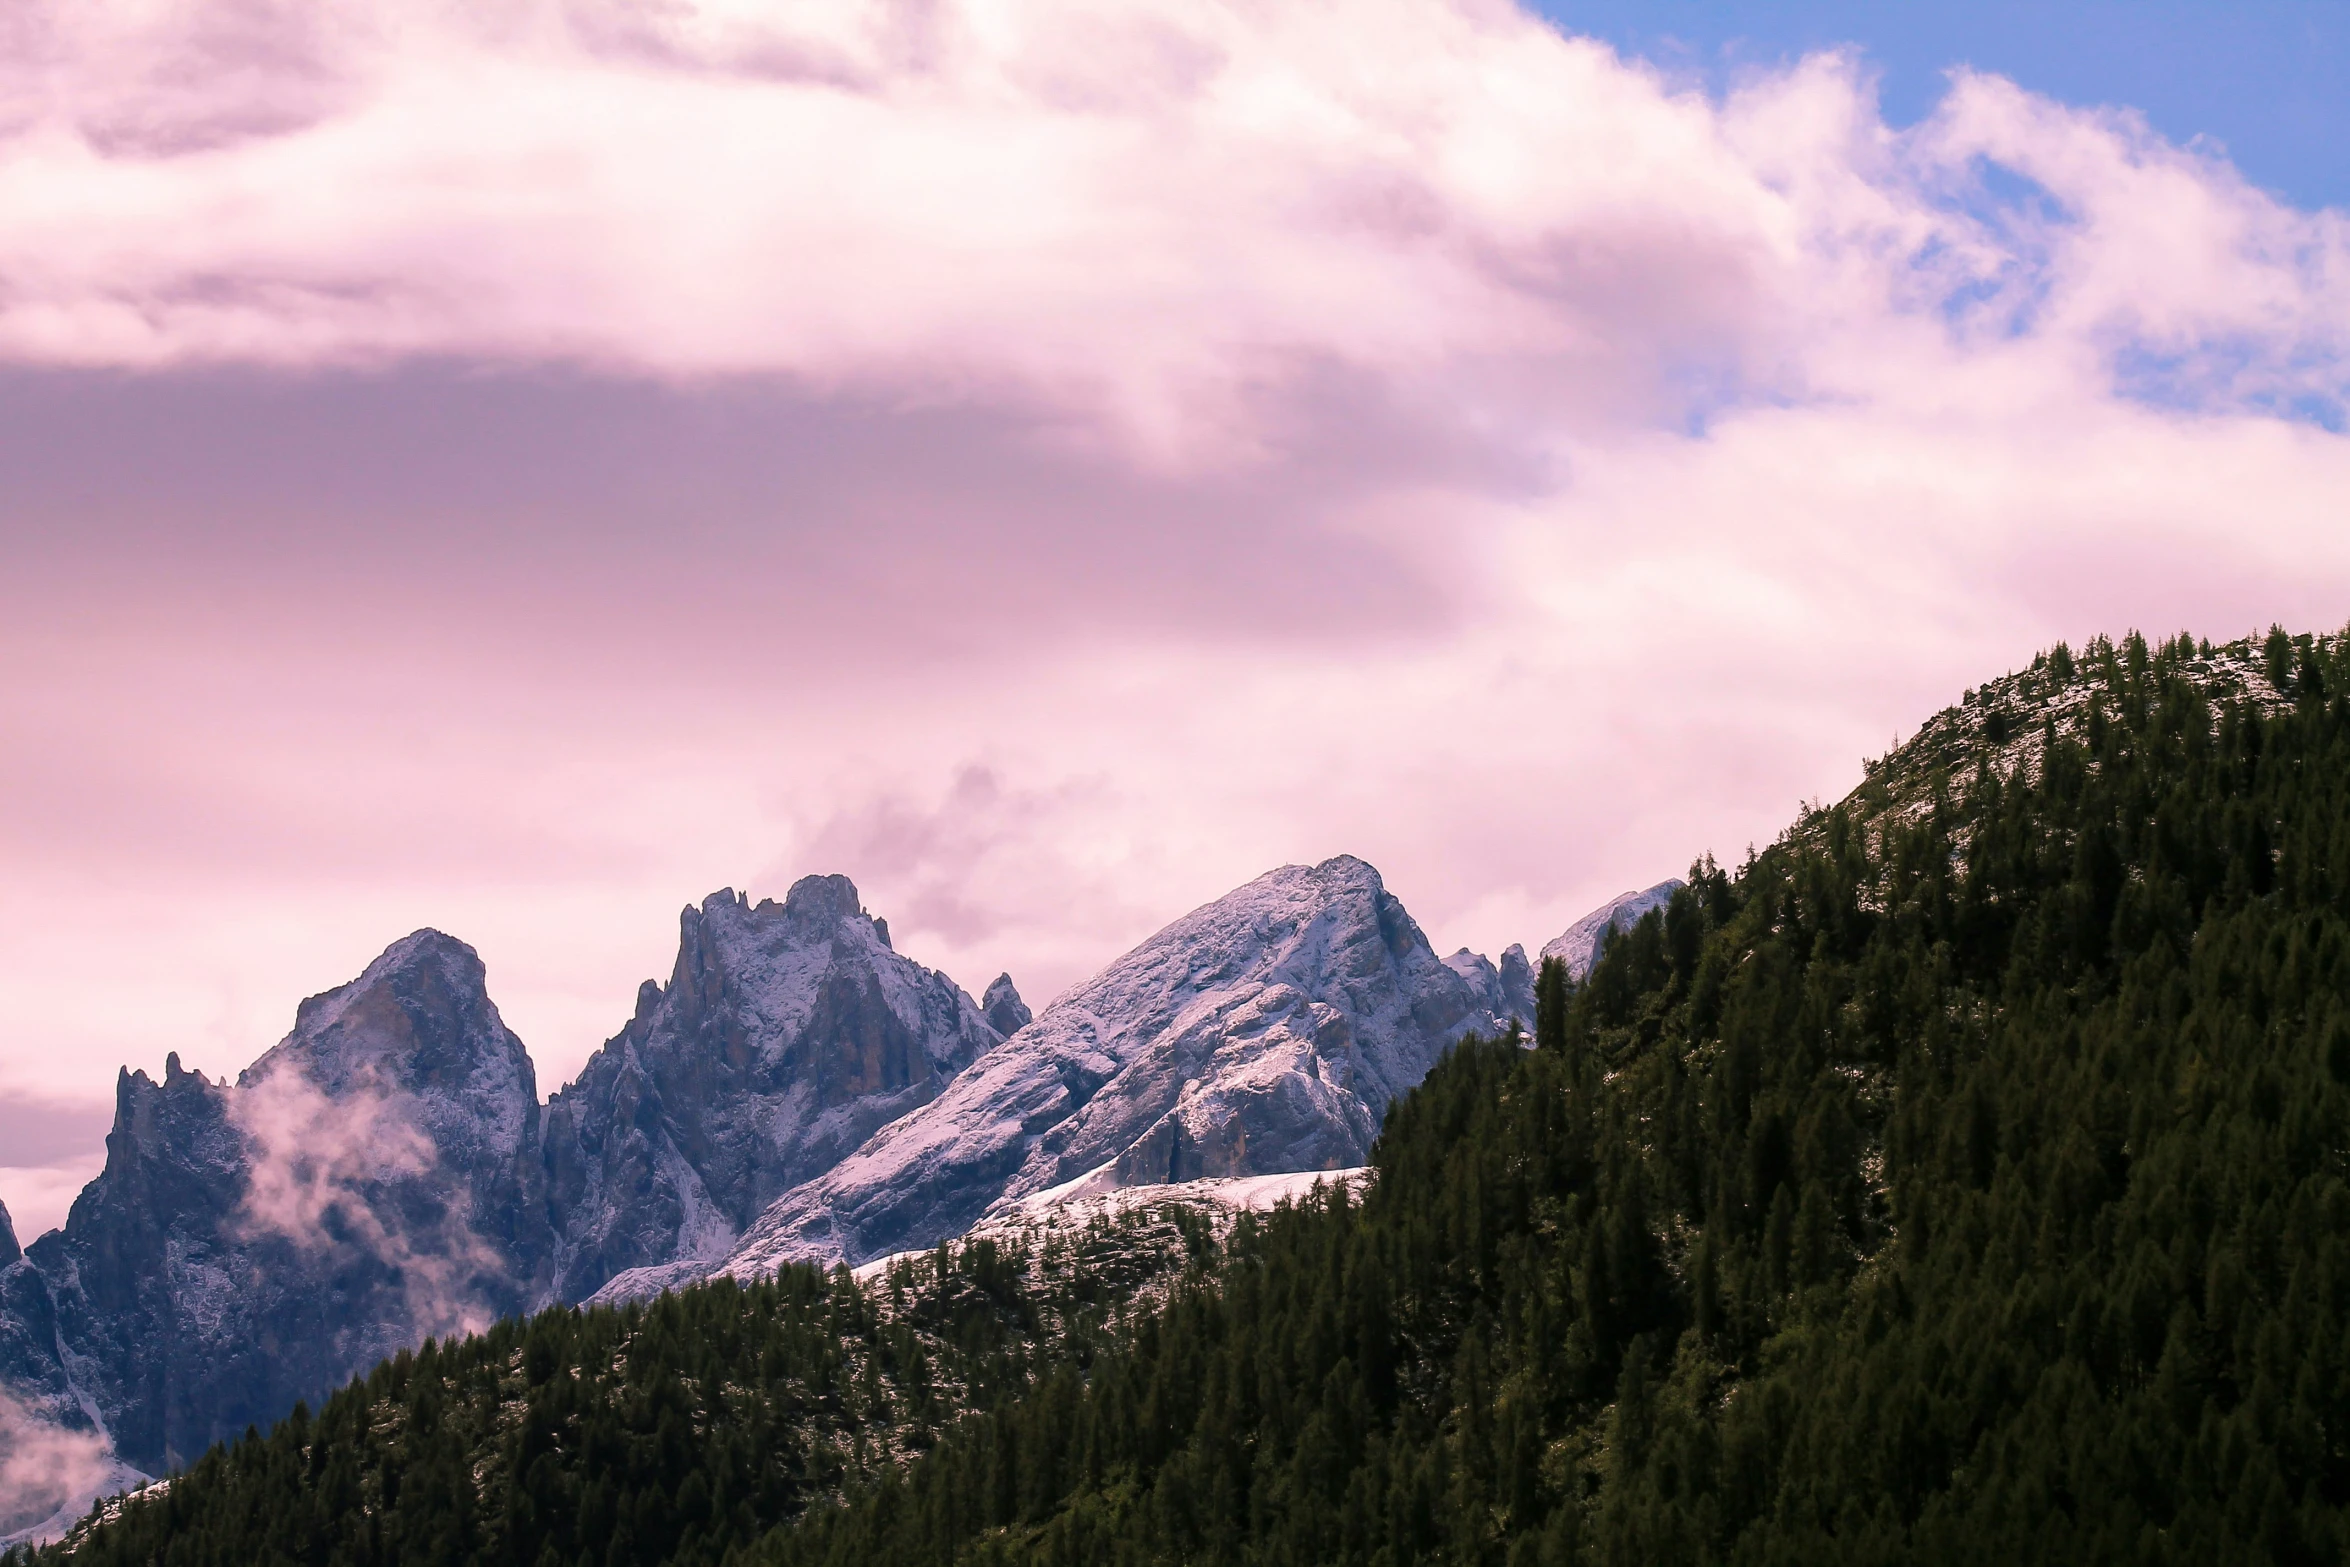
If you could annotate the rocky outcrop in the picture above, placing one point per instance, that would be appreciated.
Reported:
(1264, 1033)
(787, 1035)
(386, 1172)
(32, 1373)
(1006, 1013)
(1580, 944)
(1507, 991)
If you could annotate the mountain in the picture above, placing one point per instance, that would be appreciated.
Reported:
(1959, 1180)
(386, 1173)
(1580, 944)
(371, 1180)
(787, 1034)
(1266, 1032)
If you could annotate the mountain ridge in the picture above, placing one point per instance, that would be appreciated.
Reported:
(387, 1171)
(1242, 995)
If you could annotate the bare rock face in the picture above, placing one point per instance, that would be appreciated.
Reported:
(386, 1172)
(370, 1181)
(1517, 986)
(1506, 992)
(787, 1034)
(1006, 1013)
(1264, 1033)
(30, 1373)
(1580, 944)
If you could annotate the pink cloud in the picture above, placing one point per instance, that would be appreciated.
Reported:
(518, 469)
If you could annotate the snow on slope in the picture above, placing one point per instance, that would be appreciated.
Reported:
(1579, 945)
(788, 1032)
(1094, 1201)
(1264, 1033)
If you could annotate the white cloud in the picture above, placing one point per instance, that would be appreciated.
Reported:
(1421, 435)
(49, 1473)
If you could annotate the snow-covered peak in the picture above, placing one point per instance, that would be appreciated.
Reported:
(1263, 1033)
(1505, 993)
(1580, 944)
(424, 961)
(787, 1033)
(768, 963)
(416, 1026)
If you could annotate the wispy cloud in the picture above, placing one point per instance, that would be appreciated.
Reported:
(356, 1171)
(49, 1473)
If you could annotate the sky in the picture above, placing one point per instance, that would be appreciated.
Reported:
(520, 467)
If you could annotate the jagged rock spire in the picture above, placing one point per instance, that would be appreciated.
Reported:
(1006, 1013)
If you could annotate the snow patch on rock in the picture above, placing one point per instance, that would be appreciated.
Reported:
(1581, 943)
(788, 1033)
(1265, 1033)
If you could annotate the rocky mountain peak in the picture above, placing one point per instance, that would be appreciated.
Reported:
(371, 1180)
(9, 1250)
(417, 1024)
(1517, 983)
(1506, 992)
(1006, 1013)
(1265, 1032)
(823, 900)
(787, 1033)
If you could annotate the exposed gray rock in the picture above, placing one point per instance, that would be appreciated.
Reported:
(1506, 992)
(1266, 1032)
(386, 1172)
(371, 1180)
(1517, 985)
(32, 1373)
(1581, 943)
(787, 1034)
(9, 1250)
(1006, 1013)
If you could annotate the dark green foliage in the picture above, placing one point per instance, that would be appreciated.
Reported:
(670, 1432)
(1550, 1005)
(1963, 1181)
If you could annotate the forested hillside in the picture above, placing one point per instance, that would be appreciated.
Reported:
(672, 1432)
(1960, 1179)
